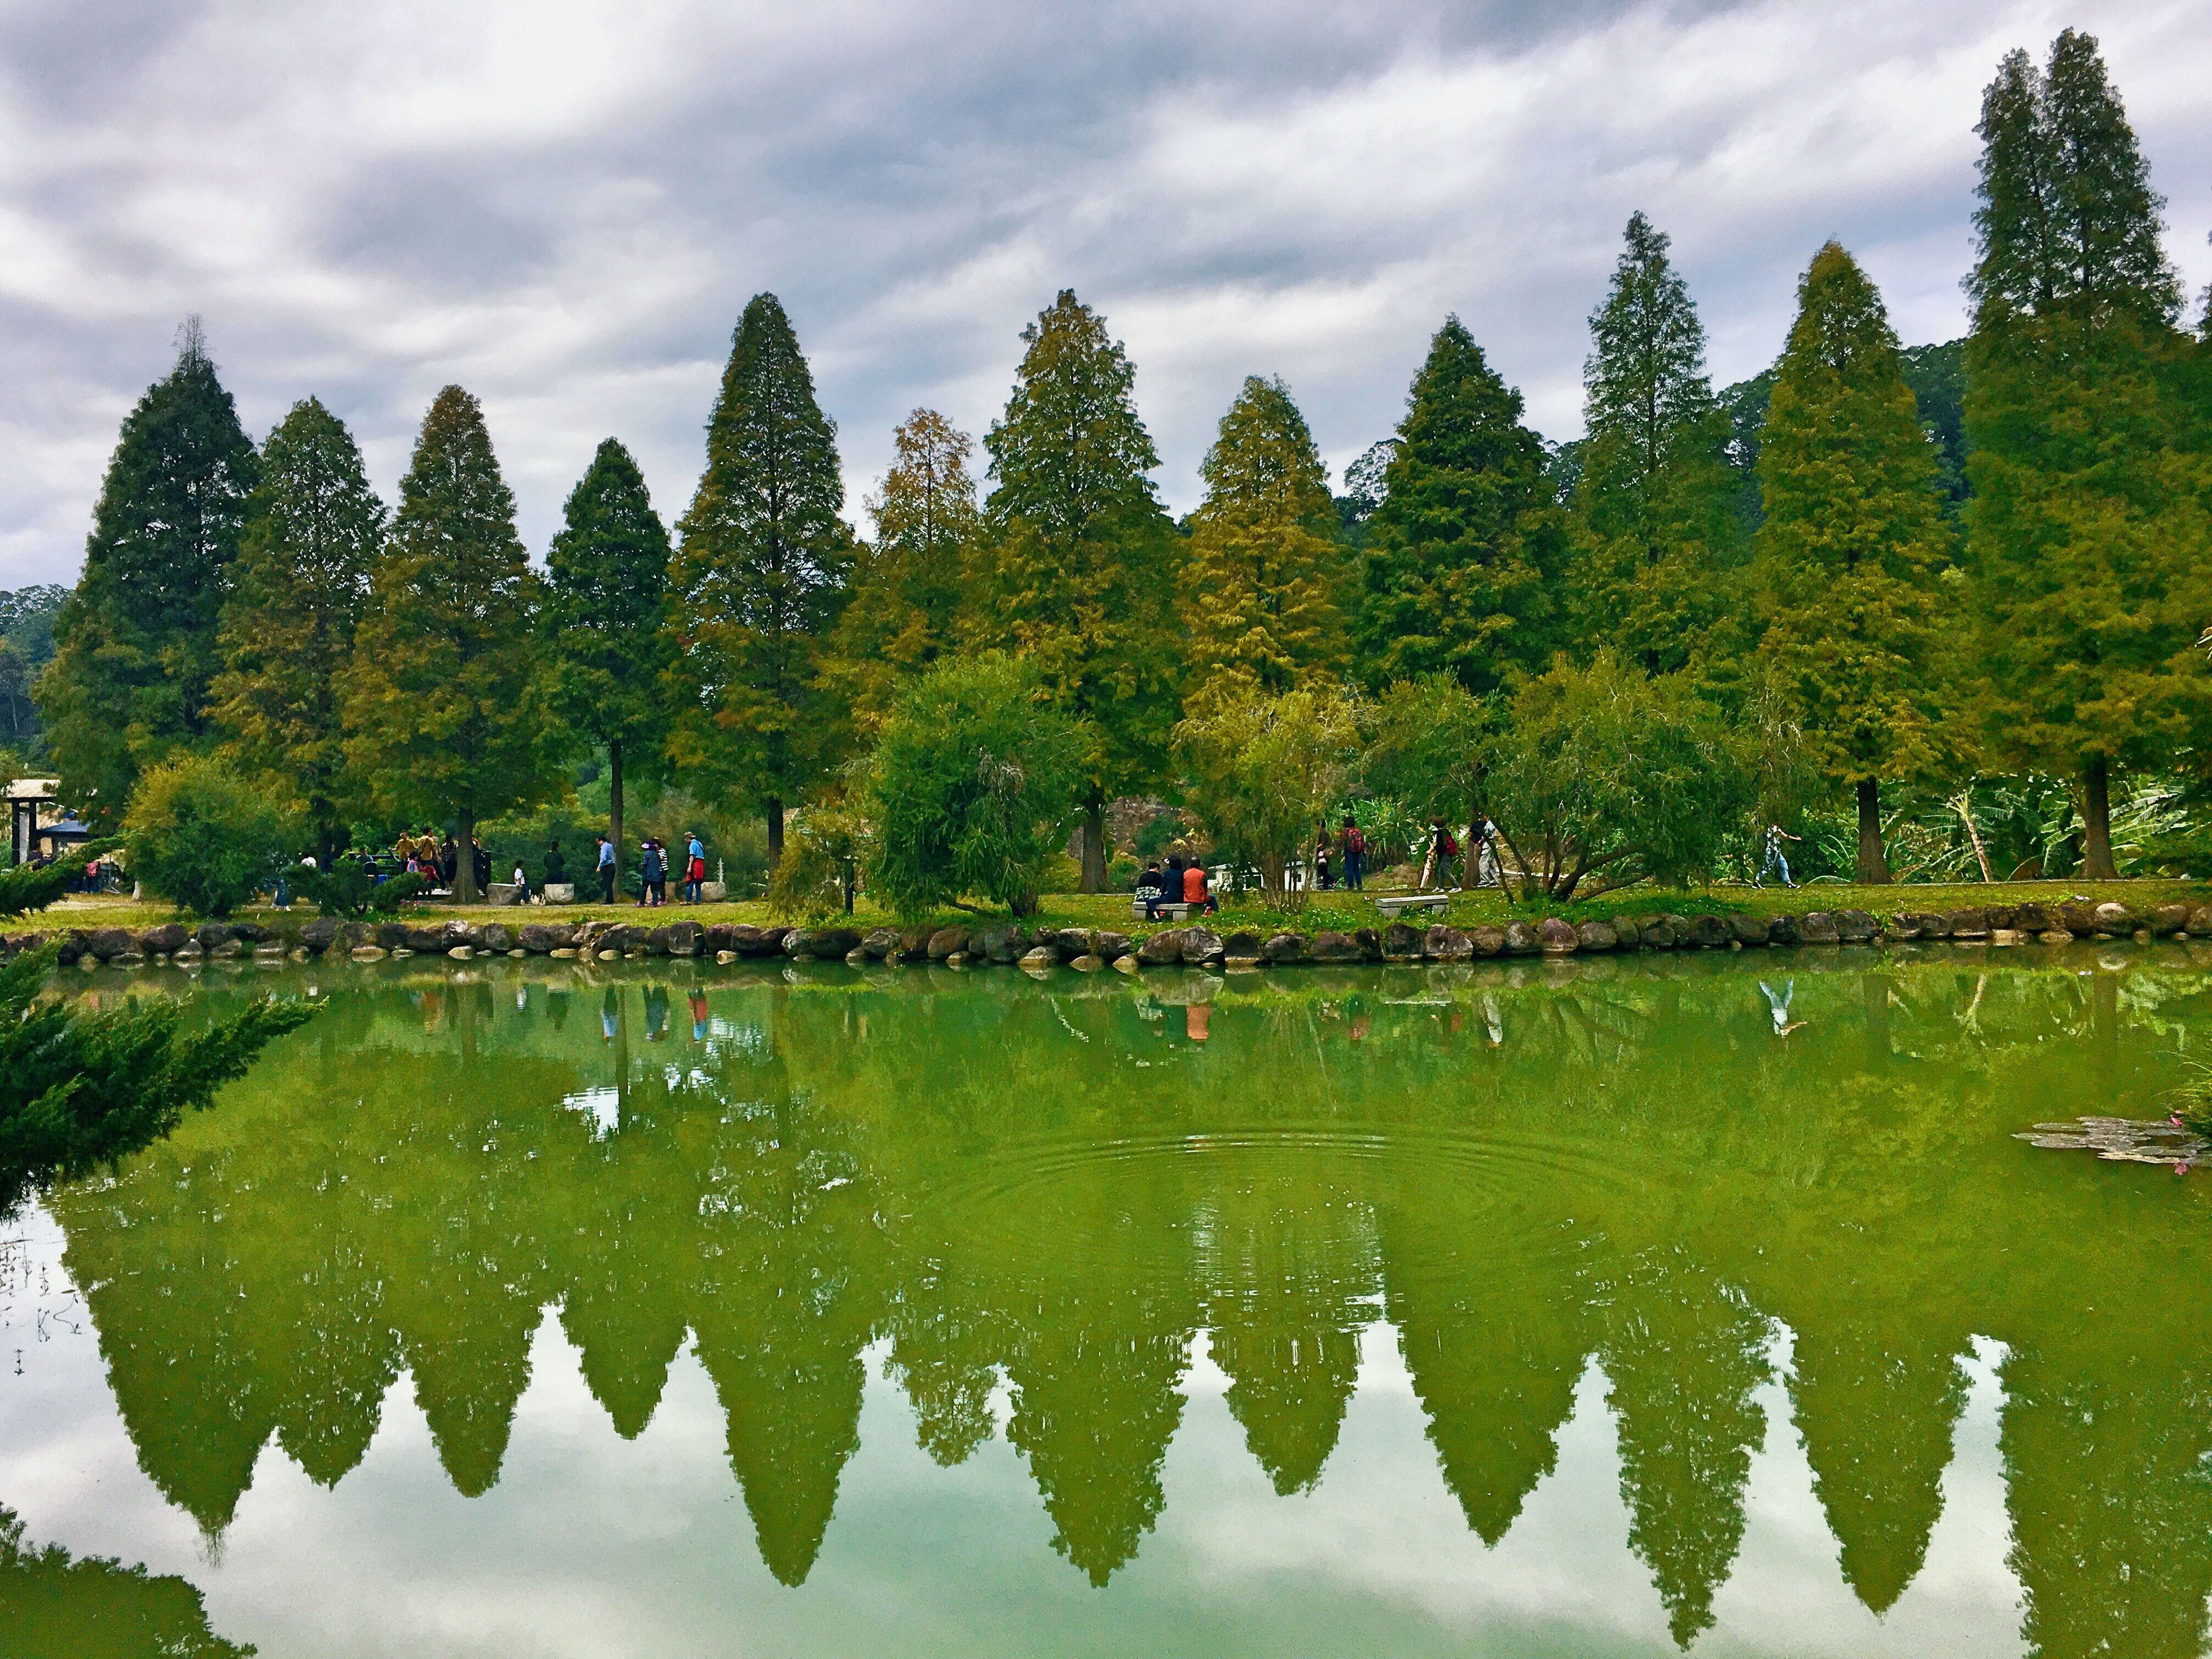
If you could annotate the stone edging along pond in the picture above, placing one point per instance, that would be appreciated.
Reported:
(1091, 949)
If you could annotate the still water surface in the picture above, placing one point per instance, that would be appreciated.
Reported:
(533, 1311)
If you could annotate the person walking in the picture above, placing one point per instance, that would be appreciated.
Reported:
(1355, 855)
(449, 862)
(606, 871)
(654, 873)
(1486, 870)
(695, 867)
(1437, 868)
(521, 884)
(1320, 857)
(1774, 859)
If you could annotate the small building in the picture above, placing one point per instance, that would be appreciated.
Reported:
(38, 824)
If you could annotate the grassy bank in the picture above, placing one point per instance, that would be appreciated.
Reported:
(1337, 911)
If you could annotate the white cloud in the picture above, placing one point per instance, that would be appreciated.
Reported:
(565, 207)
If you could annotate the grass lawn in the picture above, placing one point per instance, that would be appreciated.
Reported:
(1333, 910)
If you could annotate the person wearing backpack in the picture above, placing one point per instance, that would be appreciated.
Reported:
(1355, 855)
(1442, 849)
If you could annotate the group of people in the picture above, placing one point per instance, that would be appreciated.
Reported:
(439, 862)
(1182, 881)
(1444, 852)
(654, 862)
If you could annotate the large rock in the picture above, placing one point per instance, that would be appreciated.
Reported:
(424, 940)
(1708, 933)
(822, 944)
(105, 943)
(882, 944)
(209, 934)
(1522, 939)
(543, 938)
(1401, 942)
(1243, 945)
(1072, 942)
(2112, 918)
(1002, 944)
(675, 938)
(946, 941)
(1203, 947)
(747, 940)
(168, 940)
(2032, 918)
(1924, 924)
(320, 934)
(1748, 929)
(1657, 933)
(2200, 921)
(1370, 942)
(1041, 959)
(1112, 946)
(1855, 927)
(2170, 919)
(457, 932)
(1973, 922)
(496, 936)
(1334, 947)
(1442, 944)
(1556, 937)
(252, 932)
(1284, 948)
(1597, 936)
(1818, 927)
(1488, 940)
(621, 937)
(1628, 932)
(1164, 946)
(2078, 918)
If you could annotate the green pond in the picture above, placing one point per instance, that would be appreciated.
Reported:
(1590, 1308)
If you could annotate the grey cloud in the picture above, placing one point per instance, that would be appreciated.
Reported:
(566, 208)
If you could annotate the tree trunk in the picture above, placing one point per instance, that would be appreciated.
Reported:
(1873, 871)
(1094, 842)
(2097, 821)
(774, 833)
(615, 808)
(465, 861)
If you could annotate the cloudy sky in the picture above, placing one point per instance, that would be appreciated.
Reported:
(564, 207)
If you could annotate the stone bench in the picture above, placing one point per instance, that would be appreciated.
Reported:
(1181, 912)
(1391, 907)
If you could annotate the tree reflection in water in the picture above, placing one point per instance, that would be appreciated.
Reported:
(1034, 1195)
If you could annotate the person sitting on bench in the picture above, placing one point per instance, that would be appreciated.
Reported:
(1194, 890)
(1149, 890)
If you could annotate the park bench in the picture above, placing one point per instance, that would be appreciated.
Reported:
(1181, 912)
(1391, 907)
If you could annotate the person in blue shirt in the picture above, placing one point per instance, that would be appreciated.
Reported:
(695, 867)
(606, 871)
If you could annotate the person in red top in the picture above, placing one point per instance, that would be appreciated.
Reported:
(1194, 888)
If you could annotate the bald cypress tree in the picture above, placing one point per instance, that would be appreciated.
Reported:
(2089, 584)
(444, 711)
(1466, 544)
(1852, 545)
(760, 573)
(297, 593)
(1077, 555)
(606, 616)
(1265, 563)
(135, 644)
(1657, 538)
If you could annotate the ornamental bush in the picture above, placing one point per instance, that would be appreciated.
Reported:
(201, 837)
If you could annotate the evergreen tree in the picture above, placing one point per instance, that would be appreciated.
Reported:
(2089, 589)
(135, 643)
(1078, 555)
(606, 617)
(1653, 492)
(1465, 547)
(907, 583)
(1264, 559)
(296, 595)
(442, 717)
(759, 578)
(1852, 546)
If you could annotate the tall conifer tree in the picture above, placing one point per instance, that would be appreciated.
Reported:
(1078, 555)
(297, 593)
(1466, 546)
(442, 714)
(759, 579)
(907, 583)
(1852, 545)
(1265, 562)
(2090, 586)
(135, 644)
(1658, 532)
(606, 617)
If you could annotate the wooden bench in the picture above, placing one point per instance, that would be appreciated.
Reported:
(1391, 907)
(1180, 911)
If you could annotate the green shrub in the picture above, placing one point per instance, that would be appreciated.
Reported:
(970, 786)
(346, 889)
(201, 837)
